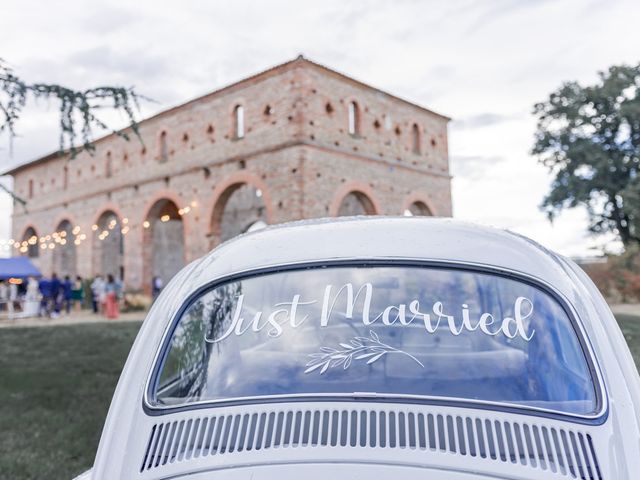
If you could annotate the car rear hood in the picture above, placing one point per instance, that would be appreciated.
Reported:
(334, 471)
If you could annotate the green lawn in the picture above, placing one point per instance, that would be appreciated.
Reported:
(52, 405)
(630, 325)
(53, 401)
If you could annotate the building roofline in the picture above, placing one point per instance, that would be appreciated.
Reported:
(275, 70)
(355, 81)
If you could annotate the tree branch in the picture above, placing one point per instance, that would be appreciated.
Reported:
(14, 196)
(78, 108)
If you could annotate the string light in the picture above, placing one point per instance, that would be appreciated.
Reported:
(75, 234)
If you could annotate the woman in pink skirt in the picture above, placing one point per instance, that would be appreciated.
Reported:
(111, 289)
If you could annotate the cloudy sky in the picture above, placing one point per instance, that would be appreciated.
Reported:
(483, 63)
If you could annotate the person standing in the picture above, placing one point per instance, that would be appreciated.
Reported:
(77, 294)
(56, 292)
(156, 286)
(45, 297)
(32, 298)
(97, 286)
(4, 296)
(13, 298)
(67, 286)
(112, 293)
(87, 294)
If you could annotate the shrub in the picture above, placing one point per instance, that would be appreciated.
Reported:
(136, 302)
(619, 277)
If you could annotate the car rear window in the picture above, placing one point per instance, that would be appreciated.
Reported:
(377, 331)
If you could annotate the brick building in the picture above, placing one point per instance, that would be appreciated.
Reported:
(296, 141)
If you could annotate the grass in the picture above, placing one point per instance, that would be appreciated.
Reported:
(56, 384)
(53, 401)
(630, 325)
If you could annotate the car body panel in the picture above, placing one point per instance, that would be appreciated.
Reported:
(335, 471)
(131, 430)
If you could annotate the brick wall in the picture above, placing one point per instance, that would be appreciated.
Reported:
(297, 159)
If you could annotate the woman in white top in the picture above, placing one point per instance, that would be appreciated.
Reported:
(32, 298)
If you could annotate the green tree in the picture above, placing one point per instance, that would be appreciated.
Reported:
(589, 138)
(78, 109)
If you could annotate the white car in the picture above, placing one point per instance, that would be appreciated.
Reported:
(374, 348)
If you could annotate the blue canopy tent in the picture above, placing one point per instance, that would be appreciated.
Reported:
(17, 267)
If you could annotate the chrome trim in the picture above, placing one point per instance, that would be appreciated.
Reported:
(592, 361)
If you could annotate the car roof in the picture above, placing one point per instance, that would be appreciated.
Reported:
(385, 238)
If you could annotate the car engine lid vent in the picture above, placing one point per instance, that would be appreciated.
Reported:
(560, 451)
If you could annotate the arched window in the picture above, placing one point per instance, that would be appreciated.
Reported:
(415, 139)
(418, 209)
(354, 119)
(64, 261)
(240, 208)
(356, 203)
(163, 153)
(65, 177)
(108, 244)
(108, 167)
(163, 237)
(238, 121)
(30, 188)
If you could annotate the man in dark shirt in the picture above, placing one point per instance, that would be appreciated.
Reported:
(67, 286)
(45, 302)
(56, 291)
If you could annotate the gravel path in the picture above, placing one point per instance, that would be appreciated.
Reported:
(72, 319)
(88, 317)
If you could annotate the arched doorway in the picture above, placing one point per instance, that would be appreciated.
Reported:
(29, 245)
(239, 209)
(108, 246)
(64, 251)
(418, 209)
(163, 241)
(356, 203)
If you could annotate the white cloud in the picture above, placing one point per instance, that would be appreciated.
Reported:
(484, 63)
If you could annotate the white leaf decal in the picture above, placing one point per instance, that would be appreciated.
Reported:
(359, 348)
(373, 359)
(314, 367)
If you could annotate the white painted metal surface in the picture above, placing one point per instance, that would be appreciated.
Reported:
(448, 442)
